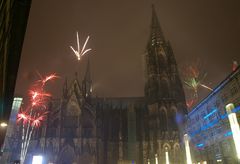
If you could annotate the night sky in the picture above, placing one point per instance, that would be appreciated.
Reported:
(203, 30)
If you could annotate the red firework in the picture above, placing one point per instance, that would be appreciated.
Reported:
(190, 103)
(44, 80)
(35, 114)
(37, 121)
(22, 117)
(38, 100)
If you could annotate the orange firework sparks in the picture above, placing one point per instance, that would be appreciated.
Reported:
(44, 80)
(48, 78)
(33, 116)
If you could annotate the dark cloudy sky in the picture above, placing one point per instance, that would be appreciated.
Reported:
(205, 30)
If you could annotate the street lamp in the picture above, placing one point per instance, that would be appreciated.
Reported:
(37, 159)
(188, 154)
(156, 158)
(3, 124)
(234, 127)
(166, 154)
(148, 161)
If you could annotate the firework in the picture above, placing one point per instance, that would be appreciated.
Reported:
(194, 78)
(32, 117)
(190, 103)
(234, 65)
(80, 52)
(44, 80)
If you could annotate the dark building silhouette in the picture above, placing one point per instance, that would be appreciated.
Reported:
(13, 22)
(85, 129)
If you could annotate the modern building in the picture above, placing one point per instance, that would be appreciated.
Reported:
(208, 125)
(11, 142)
(82, 128)
(13, 22)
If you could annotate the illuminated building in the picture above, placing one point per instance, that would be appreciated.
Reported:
(208, 125)
(13, 16)
(10, 147)
(82, 128)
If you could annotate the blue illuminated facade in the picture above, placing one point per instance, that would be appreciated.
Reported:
(208, 126)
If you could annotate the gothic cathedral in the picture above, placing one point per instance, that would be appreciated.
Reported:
(83, 129)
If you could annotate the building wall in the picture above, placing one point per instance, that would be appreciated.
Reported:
(13, 16)
(11, 144)
(208, 125)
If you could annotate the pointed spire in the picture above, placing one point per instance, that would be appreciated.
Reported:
(65, 88)
(156, 36)
(87, 76)
(87, 82)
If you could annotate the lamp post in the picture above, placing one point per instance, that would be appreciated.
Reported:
(234, 127)
(167, 156)
(156, 159)
(148, 161)
(187, 148)
(37, 159)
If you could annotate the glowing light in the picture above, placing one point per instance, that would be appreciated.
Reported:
(38, 98)
(3, 124)
(80, 52)
(22, 117)
(200, 145)
(187, 148)
(148, 161)
(204, 86)
(156, 159)
(37, 159)
(234, 127)
(228, 134)
(167, 157)
(48, 78)
(209, 114)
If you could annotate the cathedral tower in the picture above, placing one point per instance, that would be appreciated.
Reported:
(164, 96)
(162, 79)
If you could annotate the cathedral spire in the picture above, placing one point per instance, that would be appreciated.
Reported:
(87, 82)
(161, 67)
(156, 36)
(65, 88)
(87, 76)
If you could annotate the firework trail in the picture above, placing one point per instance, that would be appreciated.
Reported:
(190, 103)
(234, 65)
(32, 117)
(80, 52)
(193, 78)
